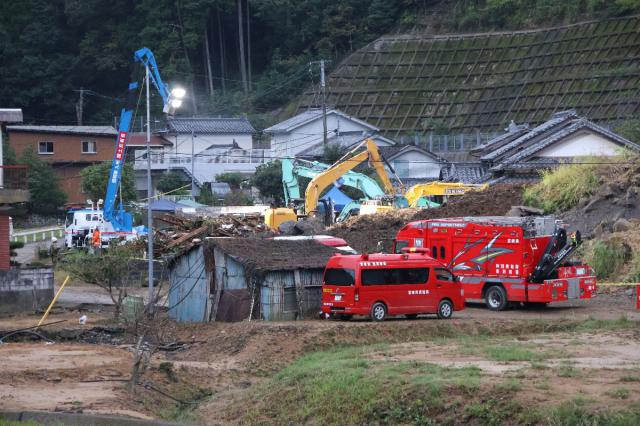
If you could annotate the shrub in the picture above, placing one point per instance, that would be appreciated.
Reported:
(562, 188)
(634, 272)
(607, 258)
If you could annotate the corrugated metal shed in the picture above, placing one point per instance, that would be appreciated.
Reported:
(10, 115)
(211, 126)
(80, 130)
(248, 278)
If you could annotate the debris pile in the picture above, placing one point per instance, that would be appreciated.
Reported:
(363, 232)
(184, 232)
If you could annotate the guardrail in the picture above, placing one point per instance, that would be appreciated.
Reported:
(39, 234)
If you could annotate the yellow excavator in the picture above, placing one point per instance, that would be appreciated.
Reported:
(275, 217)
(421, 194)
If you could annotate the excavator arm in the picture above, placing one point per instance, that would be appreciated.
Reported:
(418, 191)
(348, 162)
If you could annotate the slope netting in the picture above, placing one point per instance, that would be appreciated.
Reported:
(407, 84)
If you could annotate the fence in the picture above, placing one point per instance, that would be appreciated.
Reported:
(448, 143)
(36, 235)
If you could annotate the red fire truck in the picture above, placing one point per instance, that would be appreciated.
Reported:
(504, 259)
(378, 285)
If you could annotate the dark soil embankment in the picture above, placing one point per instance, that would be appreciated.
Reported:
(616, 200)
(364, 232)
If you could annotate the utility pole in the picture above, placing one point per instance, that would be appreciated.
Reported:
(149, 189)
(193, 182)
(324, 105)
(80, 106)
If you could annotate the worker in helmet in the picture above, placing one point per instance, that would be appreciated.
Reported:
(96, 241)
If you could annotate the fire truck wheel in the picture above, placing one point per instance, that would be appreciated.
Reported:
(445, 309)
(378, 311)
(495, 298)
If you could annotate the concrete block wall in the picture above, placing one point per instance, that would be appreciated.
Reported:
(25, 289)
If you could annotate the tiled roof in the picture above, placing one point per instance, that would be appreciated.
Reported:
(10, 115)
(556, 136)
(472, 172)
(391, 152)
(74, 130)
(557, 120)
(210, 126)
(310, 115)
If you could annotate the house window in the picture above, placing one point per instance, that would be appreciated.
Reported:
(89, 147)
(45, 147)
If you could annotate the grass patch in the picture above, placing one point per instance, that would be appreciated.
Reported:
(630, 379)
(561, 189)
(620, 393)
(509, 385)
(508, 353)
(575, 413)
(342, 386)
(568, 371)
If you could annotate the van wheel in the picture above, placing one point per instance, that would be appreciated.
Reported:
(495, 298)
(411, 316)
(445, 309)
(378, 311)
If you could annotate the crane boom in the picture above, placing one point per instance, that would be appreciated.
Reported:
(118, 217)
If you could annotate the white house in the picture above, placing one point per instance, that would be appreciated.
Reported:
(413, 164)
(205, 147)
(305, 130)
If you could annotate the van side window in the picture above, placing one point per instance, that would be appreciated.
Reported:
(339, 276)
(394, 276)
(442, 253)
(434, 252)
(444, 275)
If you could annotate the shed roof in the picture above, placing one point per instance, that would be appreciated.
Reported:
(311, 115)
(70, 130)
(274, 255)
(10, 115)
(391, 152)
(210, 126)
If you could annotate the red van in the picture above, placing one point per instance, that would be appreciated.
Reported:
(379, 285)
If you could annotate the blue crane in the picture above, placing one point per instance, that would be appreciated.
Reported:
(120, 220)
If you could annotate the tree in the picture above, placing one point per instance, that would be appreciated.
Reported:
(170, 182)
(268, 180)
(237, 198)
(46, 195)
(112, 271)
(95, 178)
(233, 179)
(207, 197)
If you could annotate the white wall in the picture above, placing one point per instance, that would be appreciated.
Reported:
(579, 145)
(202, 142)
(416, 165)
(305, 136)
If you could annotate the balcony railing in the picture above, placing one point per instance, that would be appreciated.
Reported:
(235, 156)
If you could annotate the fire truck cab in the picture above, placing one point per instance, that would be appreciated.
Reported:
(378, 285)
(504, 259)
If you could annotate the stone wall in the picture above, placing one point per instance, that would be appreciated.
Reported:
(25, 289)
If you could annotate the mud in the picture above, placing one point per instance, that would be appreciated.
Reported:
(363, 232)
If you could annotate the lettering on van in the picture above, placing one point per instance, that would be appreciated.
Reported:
(373, 263)
(416, 292)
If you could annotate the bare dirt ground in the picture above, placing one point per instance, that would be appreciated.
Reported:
(230, 359)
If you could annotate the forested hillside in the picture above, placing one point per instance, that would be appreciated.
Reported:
(233, 56)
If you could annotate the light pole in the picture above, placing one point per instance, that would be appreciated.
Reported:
(174, 102)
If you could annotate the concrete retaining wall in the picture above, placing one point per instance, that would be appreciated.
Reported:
(25, 289)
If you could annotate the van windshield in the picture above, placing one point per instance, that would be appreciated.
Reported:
(339, 276)
(69, 219)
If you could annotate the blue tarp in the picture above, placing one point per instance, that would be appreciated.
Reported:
(163, 205)
(338, 198)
